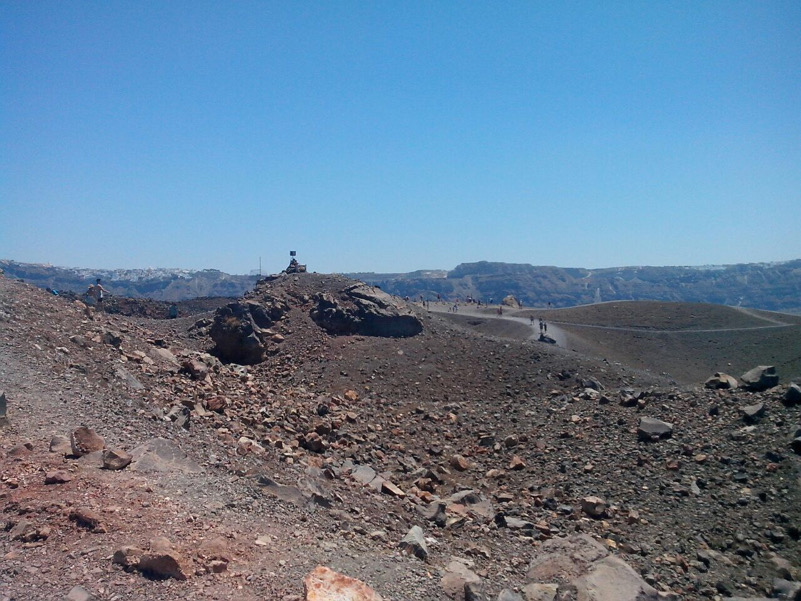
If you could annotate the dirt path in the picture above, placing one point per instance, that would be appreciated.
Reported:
(508, 315)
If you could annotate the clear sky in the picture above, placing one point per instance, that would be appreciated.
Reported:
(393, 136)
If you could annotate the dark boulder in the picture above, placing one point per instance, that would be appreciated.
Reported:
(240, 329)
(760, 378)
(363, 309)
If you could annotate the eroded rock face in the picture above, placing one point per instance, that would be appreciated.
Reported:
(362, 309)
(241, 329)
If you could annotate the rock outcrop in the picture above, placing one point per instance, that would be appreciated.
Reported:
(241, 330)
(362, 309)
(761, 377)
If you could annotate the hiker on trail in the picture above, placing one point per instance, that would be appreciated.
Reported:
(173, 311)
(94, 294)
(531, 319)
(540, 325)
(545, 326)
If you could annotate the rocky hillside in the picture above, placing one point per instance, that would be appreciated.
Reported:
(428, 463)
(775, 286)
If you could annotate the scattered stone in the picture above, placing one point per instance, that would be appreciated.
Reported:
(21, 450)
(517, 463)
(540, 592)
(115, 459)
(474, 591)
(25, 531)
(163, 561)
(161, 455)
(128, 557)
(60, 444)
(760, 378)
(414, 543)
(612, 578)
(388, 488)
(753, 413)
(58, 477)
(85, 440)
(595, 507)
(456, 577)
(793, 395)
(459, 463)
(86, 518)
(78, 593)
(509, 595)
(721, 381)
(324, 584)
(653, 429)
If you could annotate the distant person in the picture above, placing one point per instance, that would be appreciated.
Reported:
(95, 294)
(545, 326)
(173, 311)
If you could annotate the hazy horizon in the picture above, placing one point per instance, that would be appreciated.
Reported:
(311, 267)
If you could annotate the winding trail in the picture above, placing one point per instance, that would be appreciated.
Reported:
(555, 332)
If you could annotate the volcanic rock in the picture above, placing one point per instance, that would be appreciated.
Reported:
(653, 429)
(760, 378)
(85, 440)
(793, 395)
(78, 593)
(115, 459)
(163, 561)
(455, 577)
(324, 584)
(60, 444)
(414, 543)
(57, 477)
(753, 413)
(721, 381)
(363, 309)
(239, 330)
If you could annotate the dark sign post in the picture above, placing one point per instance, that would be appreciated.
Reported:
(292, 253)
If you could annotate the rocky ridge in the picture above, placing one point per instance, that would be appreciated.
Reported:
(334, 449)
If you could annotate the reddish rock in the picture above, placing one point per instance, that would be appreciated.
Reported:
(86, 518)
(324, 584)
(57, 477)
(128, 557)
(162, 561)
(115, 459)
(85, 440)
(459, 463)
(517, 463)
(217, 403)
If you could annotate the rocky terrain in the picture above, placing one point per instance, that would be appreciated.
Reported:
(369, 439)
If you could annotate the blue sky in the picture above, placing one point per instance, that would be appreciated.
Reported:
(393, 136)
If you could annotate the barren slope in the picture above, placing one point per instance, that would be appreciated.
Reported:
(703, 511)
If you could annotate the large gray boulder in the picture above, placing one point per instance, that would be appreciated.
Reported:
(761, 377)
(363, 309)
(240, 330)
(581, 567)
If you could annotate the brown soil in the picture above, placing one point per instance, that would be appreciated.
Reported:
(402, 406)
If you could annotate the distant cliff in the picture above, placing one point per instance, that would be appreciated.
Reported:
(772, 286)
(158, 284)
